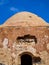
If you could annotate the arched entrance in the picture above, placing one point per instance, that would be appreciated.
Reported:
(26, 59)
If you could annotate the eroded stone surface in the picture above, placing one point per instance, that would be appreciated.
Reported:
(13, 47)
(48, 46)
(5, 42)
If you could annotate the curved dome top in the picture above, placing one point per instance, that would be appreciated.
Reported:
(25, 19)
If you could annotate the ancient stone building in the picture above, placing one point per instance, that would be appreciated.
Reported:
(24, 40)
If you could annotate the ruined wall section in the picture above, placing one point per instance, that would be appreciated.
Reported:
(10, 48)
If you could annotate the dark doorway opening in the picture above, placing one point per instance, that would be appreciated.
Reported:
(26, 59)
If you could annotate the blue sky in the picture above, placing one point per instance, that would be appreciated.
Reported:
(11, 7)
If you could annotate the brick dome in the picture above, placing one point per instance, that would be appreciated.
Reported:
(25, 19)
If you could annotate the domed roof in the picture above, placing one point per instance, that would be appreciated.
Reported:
(25, 19)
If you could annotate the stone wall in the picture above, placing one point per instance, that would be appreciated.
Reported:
(11, 49)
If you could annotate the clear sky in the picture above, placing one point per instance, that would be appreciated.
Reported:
(11, 7)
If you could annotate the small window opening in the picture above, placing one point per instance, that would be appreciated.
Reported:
(30, 16)
(27, 38)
